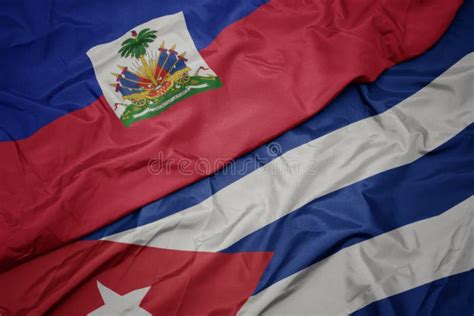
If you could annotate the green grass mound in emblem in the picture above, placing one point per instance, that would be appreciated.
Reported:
(150, 107)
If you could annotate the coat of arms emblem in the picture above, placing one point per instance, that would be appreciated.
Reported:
(155, 66)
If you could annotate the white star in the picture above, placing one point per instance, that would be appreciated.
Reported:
(118, 305)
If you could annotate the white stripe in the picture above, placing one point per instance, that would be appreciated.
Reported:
(372, 270)
(396, 137)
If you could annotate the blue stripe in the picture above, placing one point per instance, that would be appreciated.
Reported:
(45, 70)
(453, 295)
(355, 103)
(425, 188)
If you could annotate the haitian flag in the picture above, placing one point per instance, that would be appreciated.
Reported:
(366, 209)
(96, 96)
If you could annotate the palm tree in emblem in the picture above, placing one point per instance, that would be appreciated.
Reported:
(136, 47)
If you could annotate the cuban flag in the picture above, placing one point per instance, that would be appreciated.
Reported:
(237, 158)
